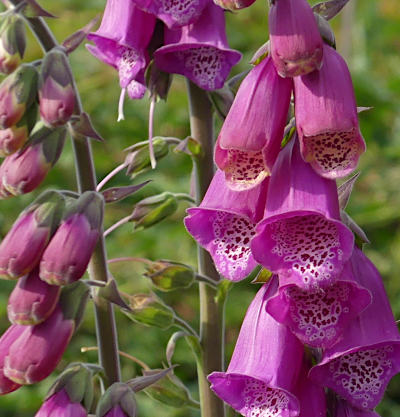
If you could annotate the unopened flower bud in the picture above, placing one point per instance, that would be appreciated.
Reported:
(68, 254)
(56, 91)
(6, 340)
(117, 401)
(152, 210)
(12, 43)
(233, 5)
(25, 170)
(32, 300)
(150, 310)
(59, 404)
(17, 93)
(139, 158)
(170, 276)
(14, 137)
(22, 248)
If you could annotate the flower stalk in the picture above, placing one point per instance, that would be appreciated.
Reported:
(86, 180)
(211, 311)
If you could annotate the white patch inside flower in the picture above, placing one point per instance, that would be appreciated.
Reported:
(363, 375)
(128, 59)
(205, 64)
(136, 90)
(310, 244)
(233, 234)
(181, 10)
(263, 401)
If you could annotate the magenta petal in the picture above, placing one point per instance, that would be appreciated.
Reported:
(264, 367)
(251, 136)
(296, 45)
(344, 409)
(326, 118)
(199, 51)
(301, 235)
(60, 405)
(362, 363)
(122, 38)
(318, 317)
(174, 13)
(224, 224)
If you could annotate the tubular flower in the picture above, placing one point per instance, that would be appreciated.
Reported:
(264, 367)
(301, 236)
(122, 39)
(174, 13)
(362, 363)
(296, 45)
(251, 136)
(326, 118)
(199, 51)
(318, 317)
(344, 409)
(224, 224)
(60, 405)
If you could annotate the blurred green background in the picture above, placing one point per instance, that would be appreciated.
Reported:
(367, 35)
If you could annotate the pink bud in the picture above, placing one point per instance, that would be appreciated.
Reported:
(38, 350)
(60, 404)
(32, 300)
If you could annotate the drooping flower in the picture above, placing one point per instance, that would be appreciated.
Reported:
(22, 247)
(6, 340)
(61, 405)
(344, 409)
(12, 43)
(56, 90)
(67, 256)
(251, 136)
(326, 118)
(301, 236)
(174, 13)
(122, 39)
(32, 300)
(35, 353)
(265, 365)
(199, 51)
(296, 45)
(362, 363)
(318, 317)
(224, 224)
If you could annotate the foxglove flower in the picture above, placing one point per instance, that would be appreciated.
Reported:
(251, 136)
(61, 405)
(25, 170)
(362, 363)
(344, 409)
(296, 45)
(6, 340)
(318, 317)
(68, 254)
(32, 300)
(224, 224)
(326, 118)
(265, 364)
(301, 236)
(12, 43)
(122, 39)
(22, 248)
(38, 349)
(56, 89)
(199, 51)
(173, 13)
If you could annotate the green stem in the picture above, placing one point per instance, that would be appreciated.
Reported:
(86, 180)
(211, 312)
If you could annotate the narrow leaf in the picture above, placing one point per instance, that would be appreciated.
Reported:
(73, 41)
(189, 146)
(352, 225)
(345, 190)
(110, 293)
(150, 377)
(82, 125)
(262, 277)
(261, 53)
(112, 195)
(33, 9)
(362, 109)
(329, 9)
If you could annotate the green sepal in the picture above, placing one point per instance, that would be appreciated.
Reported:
(118, 394)
(262, 277)
(13, 35)
(91, 205)
(73, 301)
(55, 65)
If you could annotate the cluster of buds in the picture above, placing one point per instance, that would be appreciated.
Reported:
(274, 201)
(32, 147)
(47, 249)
